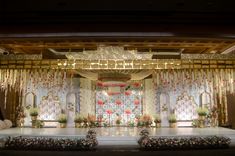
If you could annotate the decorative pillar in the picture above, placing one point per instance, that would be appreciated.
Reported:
(87, 97)
(149, 101)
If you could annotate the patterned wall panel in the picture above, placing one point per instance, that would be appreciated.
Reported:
(123, 102)
(53, 101)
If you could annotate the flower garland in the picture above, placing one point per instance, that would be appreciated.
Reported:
(218, 82)
(19, 79)
(171, 143)
(47, 143)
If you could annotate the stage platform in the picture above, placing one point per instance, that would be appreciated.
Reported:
(119, 137)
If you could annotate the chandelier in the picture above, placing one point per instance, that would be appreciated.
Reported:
(108, 53)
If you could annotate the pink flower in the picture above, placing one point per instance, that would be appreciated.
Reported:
(100, 84)
(136, 102)
(128, 111)
(113, 93)
(122, 85)
(105, 84)
(127, 93)
(118, 102)
(100, 102)
(109, 111)
(136, 84)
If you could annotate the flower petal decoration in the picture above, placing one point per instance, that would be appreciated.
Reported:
(136, 84)
(118, 102)
(109, 111)
(100, 102)
(128, 111)
(128, 92)
(136, 102)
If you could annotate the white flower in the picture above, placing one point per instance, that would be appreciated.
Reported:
(8, 123)
(2, 124)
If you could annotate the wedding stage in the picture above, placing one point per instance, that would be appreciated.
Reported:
(117, 137)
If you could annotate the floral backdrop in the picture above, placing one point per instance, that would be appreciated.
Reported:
(52, 91)
(118, 100)
(182, 91)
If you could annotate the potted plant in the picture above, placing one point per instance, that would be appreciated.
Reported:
(62, 119)
(33, 111)
(157, 120)
(39, 124)
(78, 120)
(131, 123)
(118, 122)
(172, 120)
(91, 120)
(202, 113)
(147, 120)
(85, 122)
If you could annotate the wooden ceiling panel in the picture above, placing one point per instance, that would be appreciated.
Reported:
(189, 45)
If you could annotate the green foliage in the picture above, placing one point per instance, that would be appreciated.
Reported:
(62, 118)
(78, 118)
(157, 118)
(33, 111)
(118, 121)
(202, 111)
(39, 124)
(131, 124)
(172, 118)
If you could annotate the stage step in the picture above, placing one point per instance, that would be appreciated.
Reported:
(114, 141)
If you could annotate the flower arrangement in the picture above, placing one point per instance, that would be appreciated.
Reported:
(128, 92)
(91, 120)
(202, 111)
(20, 115)
(8, 123)
(85, 122)
(128, 111)
(118, 102)
(146, 119)
(109, 111)
(62, 118)
(172, 118)
(131, 123)
(2, 124)
(99, 84)
(100, 102)
(171, 143)
(157, 118)
(136, 84)
(33, 111)
(136, 101)
(47, 143)
(139, 121)
(39, 124)
(78, 118)
(118, 121)
(113, 93)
